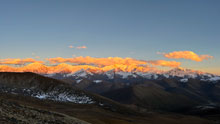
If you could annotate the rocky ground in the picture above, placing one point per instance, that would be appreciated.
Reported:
(13, 113)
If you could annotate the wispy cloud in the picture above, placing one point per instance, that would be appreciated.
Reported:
(71, 46)
(19, 61)
(97, 61)
(77, 47)
(165, 63)
(81, 47)
(186, 55)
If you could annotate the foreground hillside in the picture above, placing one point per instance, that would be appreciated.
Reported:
(18, 104)
(18, 109)
(13, 113)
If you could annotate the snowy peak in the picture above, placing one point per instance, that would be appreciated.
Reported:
(80, 74)
(185, 74)
(181, 72)
(110, 74)
(126, 74)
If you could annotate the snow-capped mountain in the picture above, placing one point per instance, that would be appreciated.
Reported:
(186, 74)
(112, 72)
(179, 73)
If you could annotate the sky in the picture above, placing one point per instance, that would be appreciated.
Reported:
(139, 29)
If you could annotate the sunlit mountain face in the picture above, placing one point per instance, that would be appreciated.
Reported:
(94, 65)
(67, 68)
(110, 67)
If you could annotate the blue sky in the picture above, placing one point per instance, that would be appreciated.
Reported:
(108, 28)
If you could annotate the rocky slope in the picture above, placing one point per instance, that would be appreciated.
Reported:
(14, 113)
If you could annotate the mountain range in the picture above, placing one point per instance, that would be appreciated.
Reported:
(115, 93)
(111, 72)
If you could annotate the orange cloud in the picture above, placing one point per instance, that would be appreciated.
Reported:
(71, 46)
(165, 63)
(186, 55)
(90, 64)
(19, 61)
(81, 47)
(102, 64)
(98, 61)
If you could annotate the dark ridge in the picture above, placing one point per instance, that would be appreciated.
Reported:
(29, 80)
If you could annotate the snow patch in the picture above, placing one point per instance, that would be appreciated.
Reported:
(144, 75)
(214, 79)
(166, 76)
(79, 98)
(125, 74)
(50, 75)
(78, 81)
(64, 97)
(97, 81)
(110, 74)
(184, 80)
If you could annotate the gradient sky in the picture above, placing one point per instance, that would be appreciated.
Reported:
(108, 28)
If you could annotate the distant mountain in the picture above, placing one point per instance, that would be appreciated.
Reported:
(179, 73)
(167, 94)
(172, 90)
